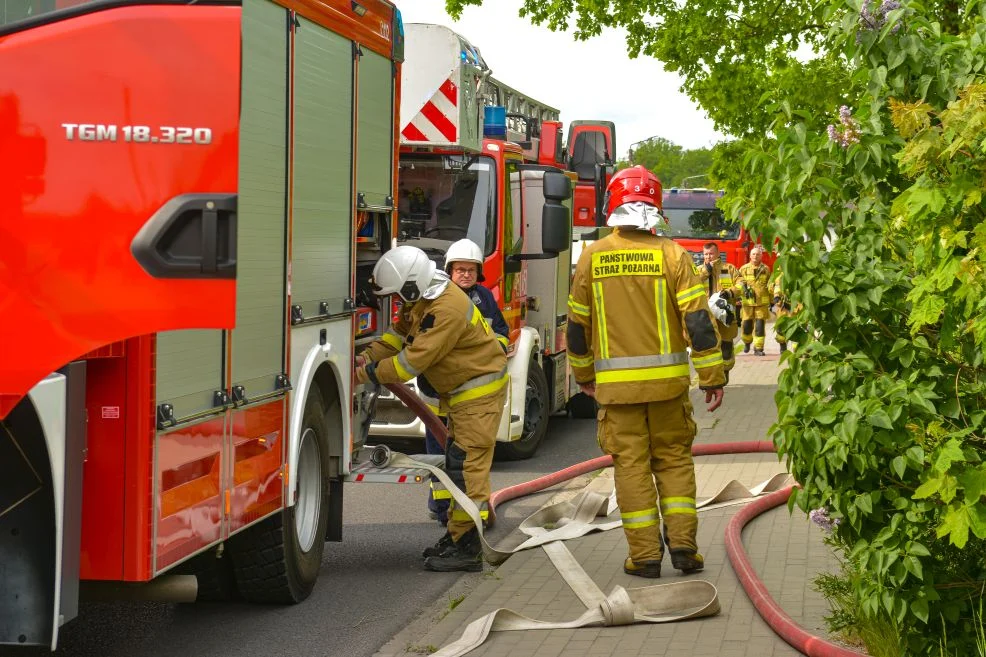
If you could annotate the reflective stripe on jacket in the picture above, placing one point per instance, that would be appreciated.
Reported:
(446, 339)
(637, 302)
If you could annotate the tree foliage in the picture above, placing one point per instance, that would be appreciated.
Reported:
(671, 163)
(876, 133)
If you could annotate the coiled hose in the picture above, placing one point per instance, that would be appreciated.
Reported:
(772, 613)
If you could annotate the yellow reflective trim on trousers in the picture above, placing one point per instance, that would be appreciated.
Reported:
(478, 391)
(642, 374)
(707, 361)
(463, 515)
(576, 361)
(639, 519)
(678, 506)
(577, 307)
(597, 291)
(401, 372)
(693, 292)
(502, 339)
(392, 339)
(661, 304)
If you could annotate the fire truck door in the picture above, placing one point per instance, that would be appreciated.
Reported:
(92, 160)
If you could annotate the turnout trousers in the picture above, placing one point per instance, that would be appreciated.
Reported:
(653, 441)
(473, 426)
(755, 324)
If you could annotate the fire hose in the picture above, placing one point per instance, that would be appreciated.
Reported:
(656, 604)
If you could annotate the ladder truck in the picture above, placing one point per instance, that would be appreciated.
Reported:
(481, 160)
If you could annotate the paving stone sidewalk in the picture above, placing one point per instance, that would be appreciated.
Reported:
(786, 550)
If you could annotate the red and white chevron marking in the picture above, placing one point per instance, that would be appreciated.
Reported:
(436, 122)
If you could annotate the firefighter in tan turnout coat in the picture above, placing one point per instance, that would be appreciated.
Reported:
(722, 279)
(756, 299)
(637, 302)
(443, 335)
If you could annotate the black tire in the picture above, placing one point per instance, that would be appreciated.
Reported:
(536, 403)
(583, 407)
(216, 582)
(271, 564)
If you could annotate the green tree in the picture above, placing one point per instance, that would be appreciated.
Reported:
(862, 119)
(669, 161)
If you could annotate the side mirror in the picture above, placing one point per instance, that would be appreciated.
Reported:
(599, 186)
(512, 265)
(557, 186)
(556, 227)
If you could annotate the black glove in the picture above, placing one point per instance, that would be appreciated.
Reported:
(776, 301)
(748, 293)
(708, 268)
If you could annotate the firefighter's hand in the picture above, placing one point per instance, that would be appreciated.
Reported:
(589, 389)
(748, 293)
(360, 361)
(713, 397)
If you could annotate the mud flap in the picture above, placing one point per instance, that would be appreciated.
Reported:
(42, 448)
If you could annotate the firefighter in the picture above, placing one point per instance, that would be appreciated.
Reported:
(781, 307)
(637, 302)
(443, 335)
(723, 280)
(464, 265)
(756, 297)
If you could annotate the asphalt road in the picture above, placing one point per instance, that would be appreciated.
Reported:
(372, 584)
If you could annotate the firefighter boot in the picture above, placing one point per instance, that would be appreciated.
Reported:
(439, 548)
(466, 554)
(758, 352)
(649, 568)
(687, 561)
(746, 347)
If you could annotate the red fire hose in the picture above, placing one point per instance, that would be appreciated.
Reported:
(766, 606)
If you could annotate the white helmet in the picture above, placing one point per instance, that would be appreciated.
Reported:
(465, 251)
(404, 270)
(722, 309)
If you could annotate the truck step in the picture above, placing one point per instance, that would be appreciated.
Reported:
(366, 472)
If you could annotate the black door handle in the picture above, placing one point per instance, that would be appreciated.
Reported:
(191, 236)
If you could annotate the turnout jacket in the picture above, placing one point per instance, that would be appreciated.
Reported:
(756, 278)
(446, 339)
(637, 302)
(724, 277)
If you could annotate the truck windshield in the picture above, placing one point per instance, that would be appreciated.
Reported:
(13, 11)
(701, 223)
(444, 198)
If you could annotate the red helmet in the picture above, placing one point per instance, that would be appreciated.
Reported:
(634, 184)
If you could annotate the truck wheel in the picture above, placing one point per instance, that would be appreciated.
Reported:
(278, 560)
(536, 404)
(583, 407)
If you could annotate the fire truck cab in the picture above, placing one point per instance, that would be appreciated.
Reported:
(480, 160)
(193, 197)
(696, 220)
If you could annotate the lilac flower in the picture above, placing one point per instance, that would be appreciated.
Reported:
(871, 19)
(820, 517)
(847, 133)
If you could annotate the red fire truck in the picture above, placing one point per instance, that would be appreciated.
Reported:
(696, 220)
(476, 158)
(192, 198)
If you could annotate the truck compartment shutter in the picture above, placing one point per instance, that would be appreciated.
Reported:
(321, 234)
(189, 372)
(374, 136)
(258, 339)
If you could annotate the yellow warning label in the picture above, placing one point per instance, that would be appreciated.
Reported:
(632, 262)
